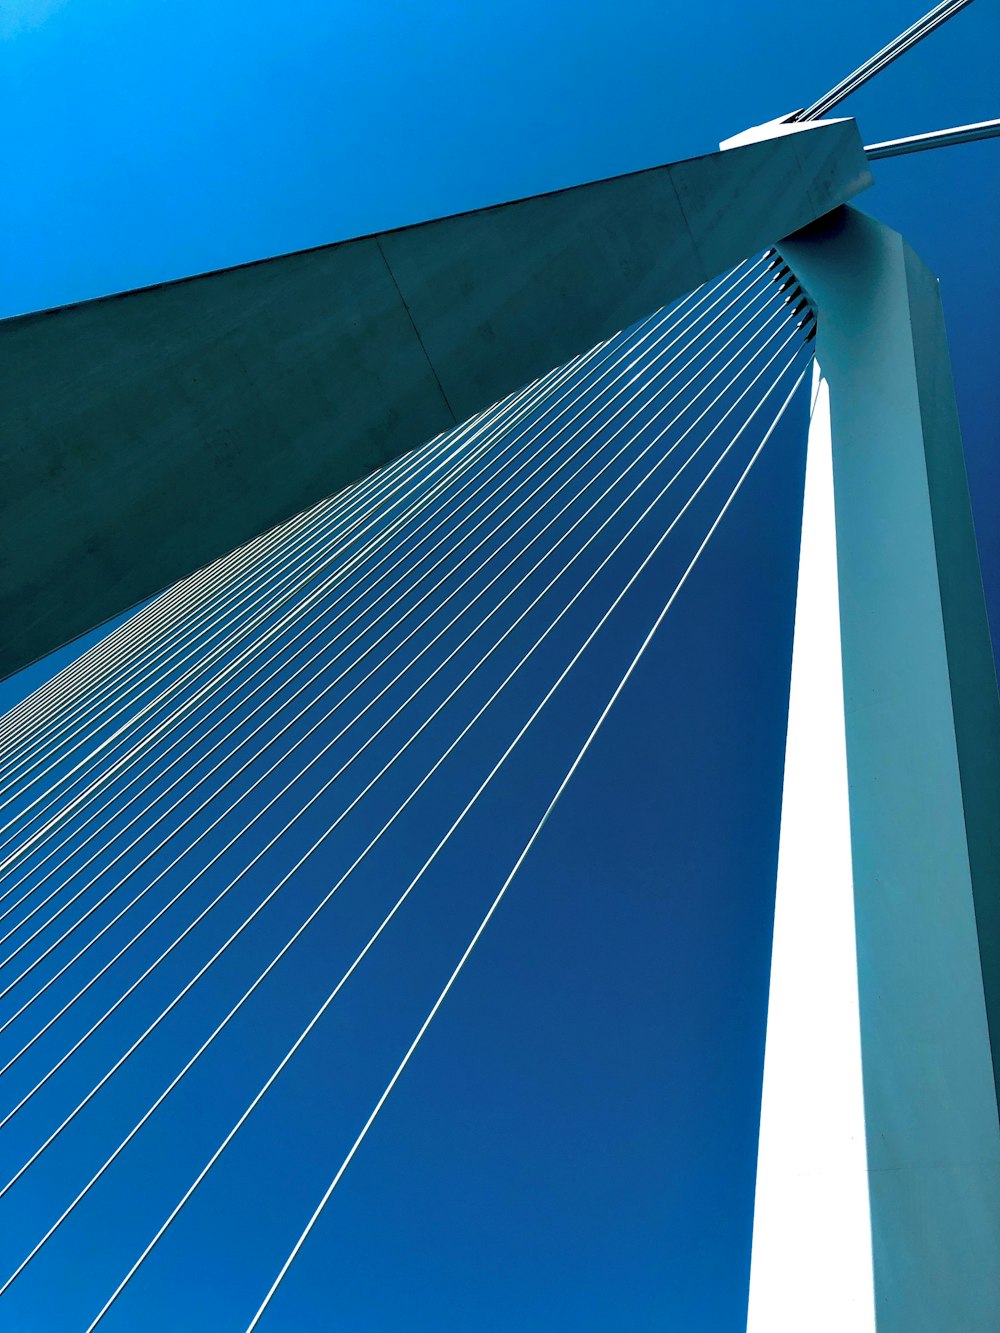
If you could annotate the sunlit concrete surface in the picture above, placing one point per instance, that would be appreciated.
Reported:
(922, 723)
(811, 1258)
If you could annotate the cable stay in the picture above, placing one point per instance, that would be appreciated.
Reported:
(185, 809)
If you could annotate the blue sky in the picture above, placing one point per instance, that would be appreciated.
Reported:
(573, 1147)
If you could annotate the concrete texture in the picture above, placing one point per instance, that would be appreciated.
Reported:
(923, 748)
(144, 435)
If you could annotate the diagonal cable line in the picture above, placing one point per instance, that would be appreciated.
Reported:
(118, 646)
(227, 566)
(200, 724)
(259, 594)
(454, 743)
(307, 530)
(427, 864)
(431, 459)
(395, 473)
(576, 434)
(331, 583)
(126, 947)
(77, 683)
(357, 799)
(266, 599)
(581, 755)
(339, 572)
(675, 310)
(889, 53)
(522, 432)
(231, 841)
(226, 812)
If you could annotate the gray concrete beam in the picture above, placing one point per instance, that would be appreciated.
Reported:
(144, 435)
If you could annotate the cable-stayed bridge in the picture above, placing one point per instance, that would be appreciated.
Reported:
(335, 710)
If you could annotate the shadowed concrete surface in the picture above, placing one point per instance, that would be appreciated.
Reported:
(144, 435)
(923, 749)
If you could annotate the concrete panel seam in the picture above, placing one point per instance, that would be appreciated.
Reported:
(413, 325)
(691, 236)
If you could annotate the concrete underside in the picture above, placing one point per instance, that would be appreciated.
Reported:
(147, 434)
(922, 724)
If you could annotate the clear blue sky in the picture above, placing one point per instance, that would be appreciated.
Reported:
(574, 1147)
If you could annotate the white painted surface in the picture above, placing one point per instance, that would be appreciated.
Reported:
(811, 1263)
(772, 129)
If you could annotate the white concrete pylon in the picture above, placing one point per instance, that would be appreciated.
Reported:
(811, 1261)
(917, 713)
